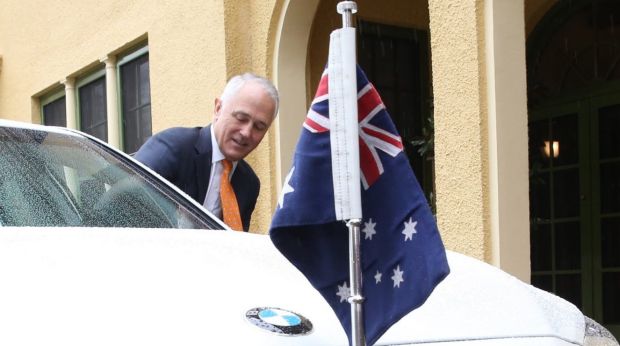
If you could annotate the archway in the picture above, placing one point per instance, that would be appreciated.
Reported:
(290, 75)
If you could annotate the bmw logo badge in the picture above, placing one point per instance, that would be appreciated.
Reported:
(279, 321)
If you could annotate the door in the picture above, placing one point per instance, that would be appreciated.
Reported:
(574, 156)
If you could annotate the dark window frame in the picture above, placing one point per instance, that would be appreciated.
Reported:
(49, 99)
(126, 60)
(84, 82)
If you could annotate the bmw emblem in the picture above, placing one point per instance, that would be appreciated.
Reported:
(279, 321)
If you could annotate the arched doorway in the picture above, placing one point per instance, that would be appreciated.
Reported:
(290, 55)
(393, 49)
(573, 63)
(394, 36)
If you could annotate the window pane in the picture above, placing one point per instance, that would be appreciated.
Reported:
(566, 193)
(538, 134)
(610, 240)
(564, 132)
(136, 101)
(567, 246)
(54, 113)
(611, 298)
(384, 56)
(609, 125)
(610, 194)
(540, 247)
(569, 288)
(395, 59)
(145, 84)
(540, 190)
(93, 109)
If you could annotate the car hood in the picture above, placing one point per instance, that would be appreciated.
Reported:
(75, 286)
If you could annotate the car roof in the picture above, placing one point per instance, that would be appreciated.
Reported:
(30, 126)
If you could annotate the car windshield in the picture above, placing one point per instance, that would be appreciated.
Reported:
(54, 178)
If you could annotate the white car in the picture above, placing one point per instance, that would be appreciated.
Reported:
(95, 249)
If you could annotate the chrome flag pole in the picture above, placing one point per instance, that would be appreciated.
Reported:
(344, 137)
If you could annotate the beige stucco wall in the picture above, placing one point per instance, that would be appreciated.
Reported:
(460, 148)
(194, 46)
(457, 49)
(480, 121)
(478, 63)
(186, 45)
(250, 35)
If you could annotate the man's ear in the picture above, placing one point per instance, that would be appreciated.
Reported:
(216, 108)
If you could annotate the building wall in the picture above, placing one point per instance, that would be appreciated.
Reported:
(478, 62)
(194, 46)
(186, 45)
(478, 77)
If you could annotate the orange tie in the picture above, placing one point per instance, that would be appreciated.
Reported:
(230, 208)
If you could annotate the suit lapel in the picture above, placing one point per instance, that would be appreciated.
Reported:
(239, 185)
(203, 161)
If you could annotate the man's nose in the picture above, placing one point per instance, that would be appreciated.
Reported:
(246, 129)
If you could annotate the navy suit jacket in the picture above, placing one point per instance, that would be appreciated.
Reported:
(183, 156)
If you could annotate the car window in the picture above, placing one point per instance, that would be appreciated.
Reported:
(56, 179)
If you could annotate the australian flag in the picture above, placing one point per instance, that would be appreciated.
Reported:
(402, 255)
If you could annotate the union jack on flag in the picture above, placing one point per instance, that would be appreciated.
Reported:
(402, 255)
(371, 137)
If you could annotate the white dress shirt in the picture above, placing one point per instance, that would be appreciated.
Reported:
(212, 199)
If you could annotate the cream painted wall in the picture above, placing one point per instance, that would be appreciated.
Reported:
(250, 31)
(506, 100)
(461, 177)
(186, 47)
(478, 61)
(293, 34)
(194, 46)
(481, 195)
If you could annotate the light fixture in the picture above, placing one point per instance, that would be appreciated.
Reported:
(551, 148)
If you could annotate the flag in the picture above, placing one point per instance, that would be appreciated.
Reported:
(402, 255)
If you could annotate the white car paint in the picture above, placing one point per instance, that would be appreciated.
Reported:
(97, 286)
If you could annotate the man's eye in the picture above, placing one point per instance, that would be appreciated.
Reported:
(260, 126)
(240, 116)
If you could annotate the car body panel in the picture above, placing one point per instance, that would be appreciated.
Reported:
(98, 286)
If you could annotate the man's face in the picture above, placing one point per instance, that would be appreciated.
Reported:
(241, 122)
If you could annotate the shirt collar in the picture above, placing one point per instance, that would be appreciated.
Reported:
(216, 153)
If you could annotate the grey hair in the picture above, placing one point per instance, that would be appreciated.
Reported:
(236, 82)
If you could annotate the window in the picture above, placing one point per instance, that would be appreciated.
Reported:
(53, 110)
(129, 119)
(93, 106)
(135, 99)
(396, 59)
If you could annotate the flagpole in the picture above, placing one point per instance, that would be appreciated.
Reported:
(347, 9)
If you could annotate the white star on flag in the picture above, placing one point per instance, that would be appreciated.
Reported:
(409, 230)
(286, 188)
(378, 277)
(398, 276)
(343, 292)
(369, 229)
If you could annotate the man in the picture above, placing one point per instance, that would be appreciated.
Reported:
(197, 159)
